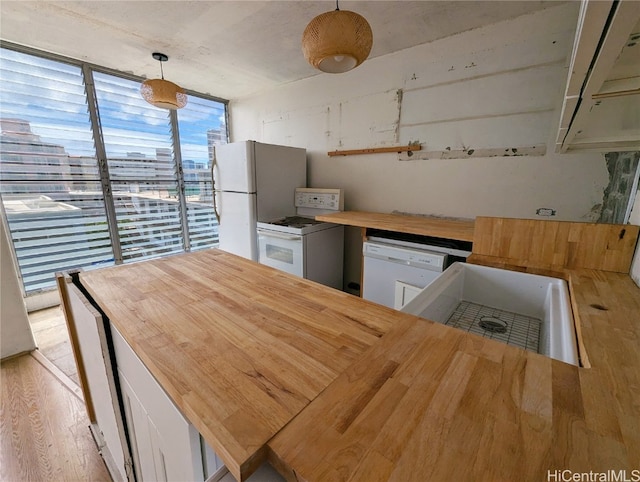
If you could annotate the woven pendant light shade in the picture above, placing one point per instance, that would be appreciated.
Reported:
(337, 41)
(162, 93)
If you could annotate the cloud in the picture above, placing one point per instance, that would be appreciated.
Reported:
(50, 95)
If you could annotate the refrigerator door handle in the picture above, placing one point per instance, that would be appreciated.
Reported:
(213, 186)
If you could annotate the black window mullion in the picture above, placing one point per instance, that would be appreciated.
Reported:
(103, 167)
(177, 153)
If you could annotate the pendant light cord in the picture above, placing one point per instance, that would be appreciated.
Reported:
(161, 71)
(337, 6)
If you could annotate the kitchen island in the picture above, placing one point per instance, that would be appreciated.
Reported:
(239, 347)
(327, 386)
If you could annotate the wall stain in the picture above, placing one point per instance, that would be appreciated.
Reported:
(622, 168)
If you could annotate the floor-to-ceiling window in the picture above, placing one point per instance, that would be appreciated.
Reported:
(196, 147)
(142, 169)
(92, 175)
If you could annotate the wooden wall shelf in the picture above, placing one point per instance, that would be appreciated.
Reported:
(376, 150)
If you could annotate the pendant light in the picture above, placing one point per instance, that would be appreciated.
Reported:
(162, 93)
(337, 41)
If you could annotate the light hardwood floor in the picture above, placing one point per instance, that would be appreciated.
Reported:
(44, 429)
(52, 337)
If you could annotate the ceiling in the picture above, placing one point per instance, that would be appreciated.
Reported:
(229, 49)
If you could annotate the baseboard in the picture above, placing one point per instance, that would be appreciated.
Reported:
(59, 374)
(42, 300)
(15, 355)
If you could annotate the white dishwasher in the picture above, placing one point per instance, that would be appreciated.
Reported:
(395, 271)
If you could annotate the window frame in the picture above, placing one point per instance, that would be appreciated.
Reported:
(88, 69)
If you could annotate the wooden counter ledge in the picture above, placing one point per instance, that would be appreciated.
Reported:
(458, 229)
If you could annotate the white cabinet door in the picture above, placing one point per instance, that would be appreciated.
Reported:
(160, 429)
(87, 333)
(214, 468)
(139, 436)
(404, 293)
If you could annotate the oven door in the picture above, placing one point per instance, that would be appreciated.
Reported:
(282, 251)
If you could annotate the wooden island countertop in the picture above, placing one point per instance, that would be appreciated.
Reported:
(239, 347)
(328, 386)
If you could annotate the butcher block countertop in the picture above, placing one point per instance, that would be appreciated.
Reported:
(432, 403)
(447, 228)
(330, 387)
(429, 402)
(240, 348)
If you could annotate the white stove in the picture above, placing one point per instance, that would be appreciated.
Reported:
(309, 203)
(296, 225)
(303, 246)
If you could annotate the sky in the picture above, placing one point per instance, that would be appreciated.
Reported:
(50, 95)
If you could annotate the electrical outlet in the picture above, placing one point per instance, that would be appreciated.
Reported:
(545, 212)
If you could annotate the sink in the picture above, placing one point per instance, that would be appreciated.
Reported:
(521, 309)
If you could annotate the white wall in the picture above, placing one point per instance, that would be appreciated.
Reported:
(15, 331)
(490, 89)
(511, 95)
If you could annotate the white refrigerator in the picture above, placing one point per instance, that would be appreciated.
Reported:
(254, 182)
